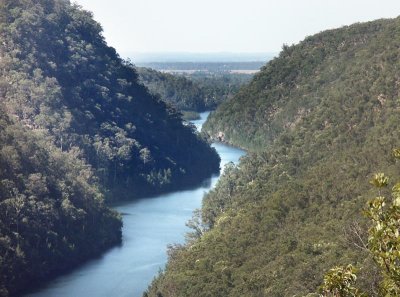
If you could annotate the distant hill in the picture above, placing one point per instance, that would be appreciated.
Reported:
(318, 121)
(195, 91)
(138, 57)
(207, 67)
(180, 91)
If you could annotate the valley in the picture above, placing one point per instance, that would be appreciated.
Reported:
(198, 173)
(149, 226)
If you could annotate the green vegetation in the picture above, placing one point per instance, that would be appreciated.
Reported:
(318, 120)
(383, 243)
(52, 214)
(219, 86)
(76, 126)
(383, 239)
(59, 76)
(179, 91)
(197, 91)
(339, 282)
(190, 115)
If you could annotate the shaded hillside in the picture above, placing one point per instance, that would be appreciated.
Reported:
(198, 91)
(220, 86)
(52, 214)
(59, 76)
(179, 91)
(76, 126)
(321, 118)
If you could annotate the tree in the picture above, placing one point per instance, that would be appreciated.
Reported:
(145, 155)
(383, 243)
(384, 239)
(339, 282)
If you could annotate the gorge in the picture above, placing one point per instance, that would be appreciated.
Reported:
(150, 224)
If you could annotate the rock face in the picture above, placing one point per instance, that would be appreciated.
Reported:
(221, 136)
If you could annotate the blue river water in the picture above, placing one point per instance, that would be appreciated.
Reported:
(150, 224)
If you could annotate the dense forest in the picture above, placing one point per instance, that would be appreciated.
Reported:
(179, 91)
(59, 76)
(198, 91)
(76, 129)
(220, 86)
(318, 121)
(52, 214)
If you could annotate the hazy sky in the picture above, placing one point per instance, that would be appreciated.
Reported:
(226, 25)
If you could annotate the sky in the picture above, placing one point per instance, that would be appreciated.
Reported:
(238, 26)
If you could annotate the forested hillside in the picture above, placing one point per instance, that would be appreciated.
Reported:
(348, 64)
(76, 126)
(52, 214)
(198, 91)
(319, 120)
(220, 86)
(179, 91)
(59, 76)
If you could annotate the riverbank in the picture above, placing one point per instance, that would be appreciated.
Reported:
(150, 225)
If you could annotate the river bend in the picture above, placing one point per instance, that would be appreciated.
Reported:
(150, 224)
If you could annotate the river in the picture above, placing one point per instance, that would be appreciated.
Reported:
(150, 224)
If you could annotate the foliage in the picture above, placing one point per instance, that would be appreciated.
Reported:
(59, 76)
(313, 121)
(52, 214)
(339, 281)
(219, 86)
(383, 240)
(76, 126)
(380, 180)
(383, 243)
(197, 91)
(349, 66)
(179, 91)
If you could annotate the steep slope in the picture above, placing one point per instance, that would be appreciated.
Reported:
(348, 64)
(321, 118)
(59, 75)
(52, 214)
(76, 126)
